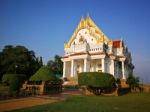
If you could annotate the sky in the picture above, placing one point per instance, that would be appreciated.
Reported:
(45, 25)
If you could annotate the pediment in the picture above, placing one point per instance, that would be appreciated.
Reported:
(89, 32)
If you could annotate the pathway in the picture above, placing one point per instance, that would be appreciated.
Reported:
(12, 104)
(25, 102)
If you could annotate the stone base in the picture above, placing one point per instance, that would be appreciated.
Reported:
(87, 92)
(123, 83)
(72, 81)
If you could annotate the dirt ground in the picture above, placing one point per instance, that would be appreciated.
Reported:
(26, 102)
(12, 104)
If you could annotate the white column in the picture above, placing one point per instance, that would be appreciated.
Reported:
(123, 70)
(103, 65)
(64, 69)
(85, 65)
(75, 69)
(88, 66)
(72, 68)
(112, 67)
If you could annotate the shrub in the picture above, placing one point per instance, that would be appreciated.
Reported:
(132, 81)
(14, 85)
(43, 74)
(8, 78)
(97, 81)
(52, 83)
(14, 81)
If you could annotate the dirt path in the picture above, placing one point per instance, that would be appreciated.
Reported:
(13, 104)
(25, 102)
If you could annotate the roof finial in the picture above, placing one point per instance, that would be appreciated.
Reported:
(121, 39)
(82, 18)
(88, 14)
(82, 23)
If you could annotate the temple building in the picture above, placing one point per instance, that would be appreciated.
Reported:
(90, 50)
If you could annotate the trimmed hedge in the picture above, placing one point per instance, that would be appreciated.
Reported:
(43, 74)
(96, 79)
(8, 78)
(14, 81)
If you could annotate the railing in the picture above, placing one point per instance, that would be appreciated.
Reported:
(84, 48)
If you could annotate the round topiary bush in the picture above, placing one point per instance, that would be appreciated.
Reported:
(97, 82)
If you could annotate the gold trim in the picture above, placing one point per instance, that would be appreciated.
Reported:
(87, 24)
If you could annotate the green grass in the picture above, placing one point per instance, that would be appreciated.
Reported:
(135, 102)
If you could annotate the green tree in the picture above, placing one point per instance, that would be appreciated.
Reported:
(56, 65)
(132, 81)
(18, 60)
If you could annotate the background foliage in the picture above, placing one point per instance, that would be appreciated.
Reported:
(56, 65)
(18, 60)
(132, 81)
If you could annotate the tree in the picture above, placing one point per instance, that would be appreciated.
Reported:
(18, 60)
(56, 65)
(132, 81)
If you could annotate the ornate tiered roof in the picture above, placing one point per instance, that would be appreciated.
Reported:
(88, 23)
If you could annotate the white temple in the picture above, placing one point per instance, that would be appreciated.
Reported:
(89, 50)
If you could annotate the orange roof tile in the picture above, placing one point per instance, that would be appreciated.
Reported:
(117, 43)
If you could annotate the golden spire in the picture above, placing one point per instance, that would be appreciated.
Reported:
(82, 23)
(87, 15)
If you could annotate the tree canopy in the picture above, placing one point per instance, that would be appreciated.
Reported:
(56, 65)
(18, 60)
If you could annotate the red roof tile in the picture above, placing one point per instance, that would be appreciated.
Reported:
(117, 43)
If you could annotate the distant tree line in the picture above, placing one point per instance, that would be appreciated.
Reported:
(56, 65)
(20, 60)
(18, 64)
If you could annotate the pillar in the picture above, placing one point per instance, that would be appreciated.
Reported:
(103, 64)
(123, 70)
(85, 65)
(64, 69)
(72, 68)
(112, 67)
(75, 69)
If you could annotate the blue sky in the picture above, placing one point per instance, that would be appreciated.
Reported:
(44, 25)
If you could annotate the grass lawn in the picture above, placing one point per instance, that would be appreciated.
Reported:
(134, 102)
